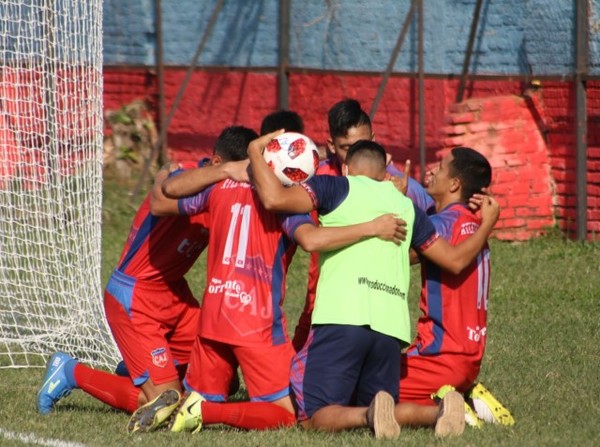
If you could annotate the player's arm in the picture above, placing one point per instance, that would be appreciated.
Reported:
(161, 205)
(273, 195)
(387, 227)
(455, 258)
(196, 180)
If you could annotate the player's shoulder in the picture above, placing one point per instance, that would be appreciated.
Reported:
(328, 167)
(460, 211)
(456, 219)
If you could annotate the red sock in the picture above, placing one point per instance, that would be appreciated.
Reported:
(247, 415)
(116, 391)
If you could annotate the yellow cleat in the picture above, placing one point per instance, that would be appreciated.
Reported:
(487, 407)
(189, 414)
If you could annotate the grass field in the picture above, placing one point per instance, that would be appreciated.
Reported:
(542, 361)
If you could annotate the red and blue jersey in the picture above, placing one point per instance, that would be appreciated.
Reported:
(454, 307)
(249, 253)
(162, 248)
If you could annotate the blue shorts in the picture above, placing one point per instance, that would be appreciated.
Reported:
(343, 365)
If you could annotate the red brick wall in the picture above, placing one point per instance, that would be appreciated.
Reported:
(214, 100)
(504, 129)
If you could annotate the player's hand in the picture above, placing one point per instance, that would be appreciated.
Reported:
(238, 170)
(259, 144)
(490, 210)
(389, 227)
(476, 199)
(401, 183)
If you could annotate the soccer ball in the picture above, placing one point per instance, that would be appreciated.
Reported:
(293, 157)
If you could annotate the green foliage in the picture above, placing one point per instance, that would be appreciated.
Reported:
(542, 360)
(129, 139)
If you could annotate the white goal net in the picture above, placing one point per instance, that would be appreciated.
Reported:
(51, 182)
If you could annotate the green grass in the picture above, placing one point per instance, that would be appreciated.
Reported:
(542, 361)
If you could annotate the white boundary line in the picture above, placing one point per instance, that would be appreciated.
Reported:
(31, 438)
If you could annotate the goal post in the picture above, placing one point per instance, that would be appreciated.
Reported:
(51, 183)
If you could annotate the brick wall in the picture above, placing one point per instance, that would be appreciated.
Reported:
(531, 134)
(504, 129)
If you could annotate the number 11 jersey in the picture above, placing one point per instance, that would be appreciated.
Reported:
(249, 253)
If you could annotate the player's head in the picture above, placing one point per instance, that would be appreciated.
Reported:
(462, 172)
(232, 144)
(282, 119)
(366, 157)
(348, 123)
(473, 170)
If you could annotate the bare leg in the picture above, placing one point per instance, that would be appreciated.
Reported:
(379, 417)
(336, 418)
(415, 415)
(285, 402)
(150, 391)
(448, 418)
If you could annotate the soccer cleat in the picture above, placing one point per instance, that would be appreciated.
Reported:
(487, 407)
(380, 417)
(189, 414)
(152, 415)
(471, 418)
(451, 417)
(55, 385)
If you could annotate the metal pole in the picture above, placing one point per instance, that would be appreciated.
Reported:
(184, 84)
(284, 54)
(162, 128)
(581, 117)
(467, 61)
(421, 94)
(393, 58)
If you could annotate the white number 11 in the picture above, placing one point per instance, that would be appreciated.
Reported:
(240, 258)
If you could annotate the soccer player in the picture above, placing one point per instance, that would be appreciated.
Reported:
(151, 311)
(242, 321)
(282, 119)
(361, 316)
(447, 351)
(348, 123)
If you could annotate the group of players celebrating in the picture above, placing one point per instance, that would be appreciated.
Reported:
(352, 361)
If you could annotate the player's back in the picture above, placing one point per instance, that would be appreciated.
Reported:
(248, 258)
(162, 248)
(454, 307)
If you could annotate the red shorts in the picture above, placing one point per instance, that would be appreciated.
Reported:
(265, 369)
(153, 324)
(421, 375)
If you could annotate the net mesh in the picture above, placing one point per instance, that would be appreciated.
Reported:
(51, 182)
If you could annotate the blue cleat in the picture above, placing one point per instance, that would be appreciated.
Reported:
(55, 384)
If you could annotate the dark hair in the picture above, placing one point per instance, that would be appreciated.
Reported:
(367, 149)
(282, 119)
(345, 115)
(473, 170)
(232, 144)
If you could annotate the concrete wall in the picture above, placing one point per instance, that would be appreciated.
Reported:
(514, 36)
